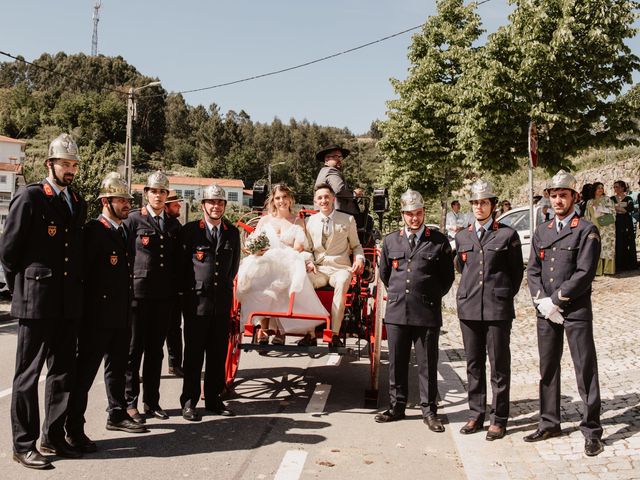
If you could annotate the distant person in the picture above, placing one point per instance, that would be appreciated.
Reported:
(625, 233)
(601, 212)
(172, 207)
(505, 206)
(455, 221)
(41, 252)
(331, 174)
(586, 194)
(545, 206)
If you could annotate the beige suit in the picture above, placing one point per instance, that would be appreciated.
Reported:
(332, 260)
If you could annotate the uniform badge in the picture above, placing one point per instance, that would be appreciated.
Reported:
(463, 256)
(427, 232)
(394, 264)
(145, 240)
(593, 236)
(574, 222)
(541, 254)
(51, 230)
(200, 255)
(113, 259)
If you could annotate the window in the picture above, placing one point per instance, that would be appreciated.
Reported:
(232, 196)
(191, 194)
(3, 179)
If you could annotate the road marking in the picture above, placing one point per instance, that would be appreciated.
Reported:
(10, 324)
(291, 465)
(334, 359)
(319, 398)
(6, 392)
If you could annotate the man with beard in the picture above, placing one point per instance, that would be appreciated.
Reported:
(416, 266)
(210, 257)
(564, 257)
(105, 328)
(41, 251)
(153, 241)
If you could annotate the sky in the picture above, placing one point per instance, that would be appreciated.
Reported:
(195, 44)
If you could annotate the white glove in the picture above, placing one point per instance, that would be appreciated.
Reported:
(546, 306)
(556, 317)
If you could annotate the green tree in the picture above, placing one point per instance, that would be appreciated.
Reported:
(560, 63)
(419, 136)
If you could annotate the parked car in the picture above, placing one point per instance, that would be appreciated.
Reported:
(518, 219)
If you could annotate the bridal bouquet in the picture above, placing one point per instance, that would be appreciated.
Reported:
(256, 243)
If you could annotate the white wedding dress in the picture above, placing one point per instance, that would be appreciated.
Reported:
(265, 282)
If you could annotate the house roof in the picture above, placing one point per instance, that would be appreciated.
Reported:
(11, 140)
(11, 167)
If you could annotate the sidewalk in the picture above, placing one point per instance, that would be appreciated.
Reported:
(617, 337)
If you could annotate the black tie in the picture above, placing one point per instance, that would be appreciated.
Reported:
(214, 238)
(63, 199)
(122, 233)
(560, 225)
(482, 232)
(158, 221)
(412, 241)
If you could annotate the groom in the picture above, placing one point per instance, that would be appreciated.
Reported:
(332, 238)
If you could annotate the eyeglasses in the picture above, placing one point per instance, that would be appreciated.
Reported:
(506, 204)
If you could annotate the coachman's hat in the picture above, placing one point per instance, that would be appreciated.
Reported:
(320, 155)
(173, 197)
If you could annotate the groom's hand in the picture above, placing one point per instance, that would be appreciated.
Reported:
(358, 267)
(311, 267)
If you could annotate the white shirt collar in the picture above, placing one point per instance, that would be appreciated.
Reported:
(565, 221)
(154, 214)
(418, 233)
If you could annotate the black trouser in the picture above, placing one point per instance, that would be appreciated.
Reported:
(425, 341)
(52, 340)
(204, 335)
(583, 354)
(149, 322)
(174, 338)
(94, 344)
(480, 338)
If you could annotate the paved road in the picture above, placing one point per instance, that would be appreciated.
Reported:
(301, 417)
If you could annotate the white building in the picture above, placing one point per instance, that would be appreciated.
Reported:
(192, 187)
(11, 160)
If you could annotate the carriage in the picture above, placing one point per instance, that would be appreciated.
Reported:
(364, 304)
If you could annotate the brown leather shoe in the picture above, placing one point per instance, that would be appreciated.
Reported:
(472, 426)
(434, 423)
(496, 432)
(389, 416)
(32, 459)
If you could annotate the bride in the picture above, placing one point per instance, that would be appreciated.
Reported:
(266, 279)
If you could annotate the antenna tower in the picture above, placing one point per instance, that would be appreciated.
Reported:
(96, 19)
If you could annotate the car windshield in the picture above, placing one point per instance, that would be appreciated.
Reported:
(517, 220)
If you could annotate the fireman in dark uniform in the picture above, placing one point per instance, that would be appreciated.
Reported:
(331, 174)
(416, 266)
(41, 252)
(210, 257)
(489, 257)
(153, 240)
(172, 208)
(105, 330)
(562, 266)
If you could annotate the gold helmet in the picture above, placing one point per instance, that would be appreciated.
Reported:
(562, 179)
(114, 186)
(214, 192)
(63, 147)
(411, 200)
(157, 180)
(481, 189)
(173, 197)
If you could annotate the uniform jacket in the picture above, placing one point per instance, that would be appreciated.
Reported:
(491, 271)
(41, 250)
(416, 280)
(207, 273)
(109, 272)
(345, 200)
(563, 265)
(342, 242)
(154, 254)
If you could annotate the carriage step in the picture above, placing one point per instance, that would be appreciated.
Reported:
(297, 349)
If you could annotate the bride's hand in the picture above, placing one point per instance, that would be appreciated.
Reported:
(311, 267)
(261, 252)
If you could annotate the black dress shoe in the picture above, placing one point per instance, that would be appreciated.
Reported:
(593, 447)
(434, 423)
(60, 448)
(539, 435)
(219, 408)
(79, 441)
(32, 459)
(138, 418)
(472, 426)
(156, 412)
(336, 342)
(190, 414)
(308, 341)
(389, 416)
(128, 425)
(176, 371)
(496, 432)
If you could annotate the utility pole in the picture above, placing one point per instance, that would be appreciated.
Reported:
(94, 37)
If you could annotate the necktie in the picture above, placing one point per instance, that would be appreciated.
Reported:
(481, 233)
(158, 220)
(122, 233)
(325, 230)
(63, 199)
(560, 225)
(412, 241)
(214, 237)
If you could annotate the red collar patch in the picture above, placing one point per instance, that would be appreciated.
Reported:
(104, 222)
(427, 232)
(402, 232)
(495, 225)
(201, 224)
(471, 227)
(224, 225)
(550, 226)
(47, 189)
(575, 221)
(144, 211)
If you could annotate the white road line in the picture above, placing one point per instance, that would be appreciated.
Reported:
(6, 392)
(10, 324)
(291, 465)
(334, 359)
(319, 398)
